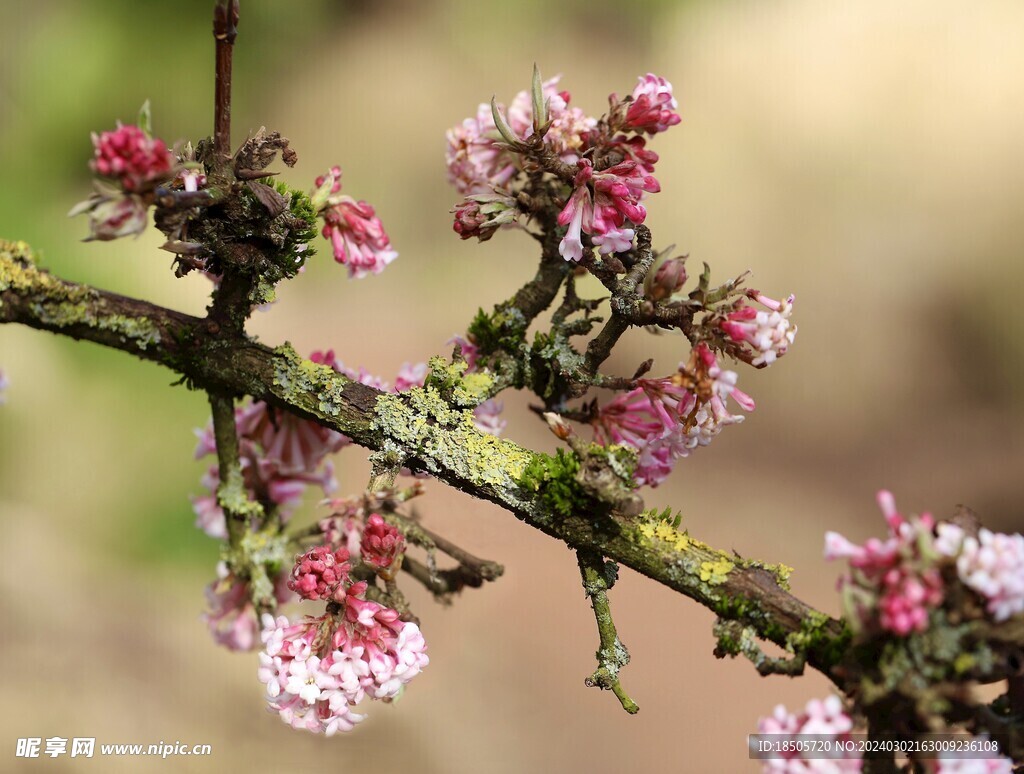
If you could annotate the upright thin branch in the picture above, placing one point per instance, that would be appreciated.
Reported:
(231, 494)
(225, 29)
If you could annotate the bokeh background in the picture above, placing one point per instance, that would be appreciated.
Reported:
(868, 157)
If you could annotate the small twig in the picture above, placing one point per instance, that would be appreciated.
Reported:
(231, 494)
(473, 565)
(598, 576)
(735, 639)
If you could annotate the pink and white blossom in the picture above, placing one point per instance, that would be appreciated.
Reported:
(990, 564)
(767, 332)
(820, 718)
(355, 232)
(653, 107)
(893, 583)
(317, 670)
(665, 419)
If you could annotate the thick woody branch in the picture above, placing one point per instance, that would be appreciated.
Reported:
(432, 435)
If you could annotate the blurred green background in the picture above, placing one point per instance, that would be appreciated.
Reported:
(867, 157)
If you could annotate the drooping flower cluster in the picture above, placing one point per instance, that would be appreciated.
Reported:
(605, 169)
(767, 333)
(894, 583)
(355, 232)
(819, 718)
(281, 455)
(317, 670)
(665, 419)
(601, 205)
(991, 564)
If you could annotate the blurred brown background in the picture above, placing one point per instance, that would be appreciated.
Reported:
(868, 157)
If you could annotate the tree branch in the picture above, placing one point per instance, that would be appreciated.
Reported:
(433, 436)
(225, 29)
(599, 576)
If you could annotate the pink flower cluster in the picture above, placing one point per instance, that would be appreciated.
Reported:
(665, 419)
(321, 573)
(767, 332)
(824, 718)
(131, 157)
(4, 384)
(893, 583)
(603, 203)
(316, 671)
(357, 237)
(653, 107)
(991, 565)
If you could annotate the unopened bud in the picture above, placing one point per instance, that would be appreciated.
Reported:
(562, 429)
(668, 279)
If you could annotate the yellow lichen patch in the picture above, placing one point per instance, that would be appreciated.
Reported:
(666, 533)
(715, 572)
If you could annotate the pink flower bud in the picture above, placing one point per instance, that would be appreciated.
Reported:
(382, 546)
(319, 572)
(668, 279)
(132, 158)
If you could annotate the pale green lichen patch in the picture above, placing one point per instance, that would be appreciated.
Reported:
(315, 386)
(426, 427)
(62, 304)
(464, 390)
(259, 558)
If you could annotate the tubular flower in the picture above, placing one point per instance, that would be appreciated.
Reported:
(767, 332)
(601, 204)
(357, 237)
(653, 107)
(665, 419)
